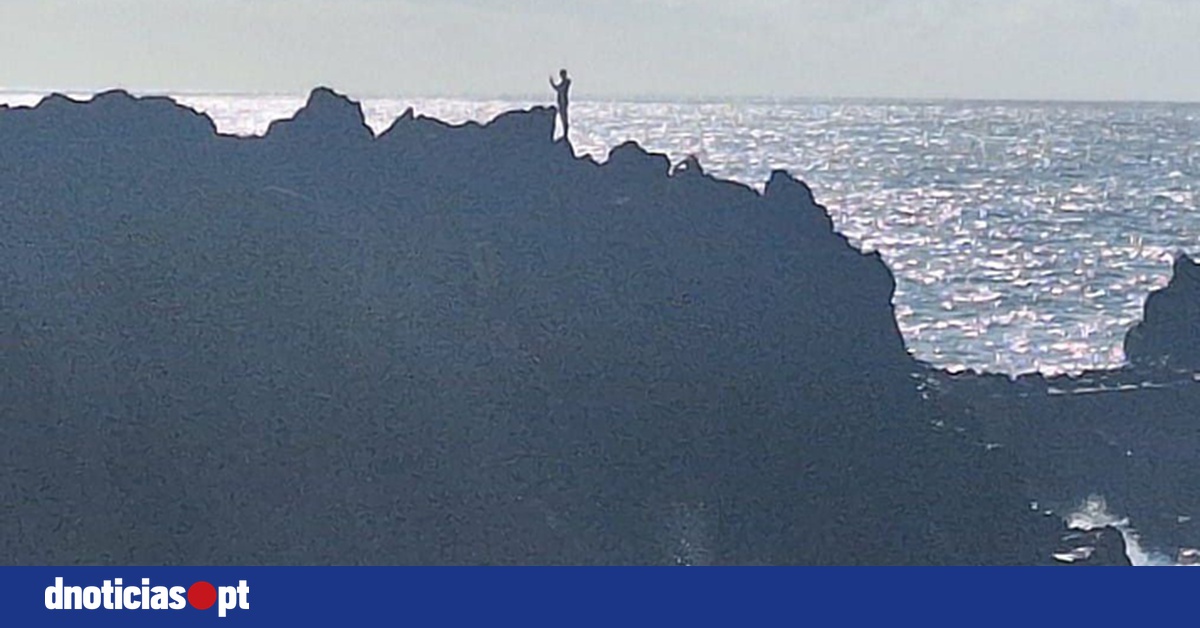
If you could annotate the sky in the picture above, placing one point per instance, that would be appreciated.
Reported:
(985, 49)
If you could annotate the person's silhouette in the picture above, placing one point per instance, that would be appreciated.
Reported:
(562, 87)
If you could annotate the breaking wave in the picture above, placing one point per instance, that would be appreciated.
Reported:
(1093, 513)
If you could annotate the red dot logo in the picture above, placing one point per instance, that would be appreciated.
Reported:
(202, 595)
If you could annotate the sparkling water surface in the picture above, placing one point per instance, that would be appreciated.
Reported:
(1023, 236)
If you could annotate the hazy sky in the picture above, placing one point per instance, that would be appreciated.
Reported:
(1073, 49)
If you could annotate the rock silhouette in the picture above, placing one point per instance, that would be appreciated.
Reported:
(454, 345)
(1169, 334)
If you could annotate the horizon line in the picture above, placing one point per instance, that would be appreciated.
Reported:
(648, 98)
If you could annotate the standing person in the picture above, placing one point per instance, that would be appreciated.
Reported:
(562, 87)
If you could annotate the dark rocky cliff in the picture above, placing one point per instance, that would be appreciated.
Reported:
(452, 344)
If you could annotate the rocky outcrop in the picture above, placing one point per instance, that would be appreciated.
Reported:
(326, 120)
(451, 344)
(1169, 333)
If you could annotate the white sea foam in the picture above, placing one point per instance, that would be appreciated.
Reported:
(1093, 513)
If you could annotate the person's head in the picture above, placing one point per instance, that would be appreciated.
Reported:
(562, 73)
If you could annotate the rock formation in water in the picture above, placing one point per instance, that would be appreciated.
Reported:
(1169, 333)
(452, 344)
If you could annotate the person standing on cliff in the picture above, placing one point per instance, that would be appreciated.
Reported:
(562, 87)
